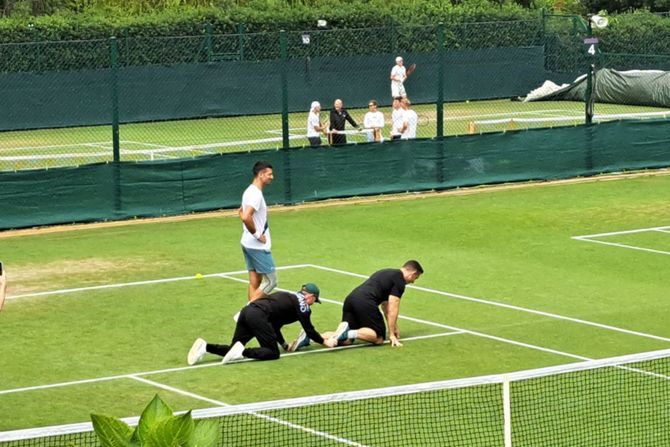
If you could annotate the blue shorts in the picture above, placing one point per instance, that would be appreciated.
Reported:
(259, 261)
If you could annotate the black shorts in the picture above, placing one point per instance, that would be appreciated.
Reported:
(314, 141)
(363, 312)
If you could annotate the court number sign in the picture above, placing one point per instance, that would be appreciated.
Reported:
(591, 44)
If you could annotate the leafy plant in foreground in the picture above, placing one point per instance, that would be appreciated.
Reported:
(157, 427)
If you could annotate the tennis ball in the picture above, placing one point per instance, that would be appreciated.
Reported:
(467, 101)
(198, 276)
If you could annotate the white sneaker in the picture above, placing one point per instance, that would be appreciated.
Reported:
(197, 351)
(236, 317)
(235, 353)
(301, 341)
(341, 331)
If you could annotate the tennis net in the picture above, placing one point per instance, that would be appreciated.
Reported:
(621, 401)
(522, 123)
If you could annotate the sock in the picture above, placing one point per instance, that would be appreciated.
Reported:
(352, 334)
(217, 349)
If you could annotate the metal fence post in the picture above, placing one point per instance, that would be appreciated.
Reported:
(440, 80)
(208, 41)
(588, 95)
(114, 72)
(240, 37)
(284, 88)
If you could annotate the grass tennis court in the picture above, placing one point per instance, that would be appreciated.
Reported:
(191, 138)
(510, 285)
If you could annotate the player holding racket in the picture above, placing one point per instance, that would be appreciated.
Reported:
(398, 76)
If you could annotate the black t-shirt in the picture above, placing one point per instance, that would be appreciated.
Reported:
(285, 308)
(380, 285)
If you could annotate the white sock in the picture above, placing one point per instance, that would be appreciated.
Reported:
(352, 334)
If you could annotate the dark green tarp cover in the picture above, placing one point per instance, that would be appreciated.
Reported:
(635, 87)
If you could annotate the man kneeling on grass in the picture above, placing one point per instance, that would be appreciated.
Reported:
(361, 317)
(263, 318)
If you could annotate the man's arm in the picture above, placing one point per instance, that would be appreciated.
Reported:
(392, 309)
(3, 289)
(247, 216)
(351, 120)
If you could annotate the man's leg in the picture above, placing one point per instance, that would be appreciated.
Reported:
(255, 280)
(259, 324)
(364, 322)
(262, 273)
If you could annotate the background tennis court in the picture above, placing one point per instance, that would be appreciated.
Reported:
(191, 138)
(506, 288)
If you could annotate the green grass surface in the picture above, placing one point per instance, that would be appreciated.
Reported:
(510, 246)
(191, 138)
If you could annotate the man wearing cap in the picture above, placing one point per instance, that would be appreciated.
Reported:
(263, 319)
(314, 125)
(398, 76)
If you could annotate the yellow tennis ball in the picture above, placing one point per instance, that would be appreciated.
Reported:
(198, 276)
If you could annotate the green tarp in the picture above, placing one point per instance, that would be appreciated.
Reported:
(109, 191)
(635, 87)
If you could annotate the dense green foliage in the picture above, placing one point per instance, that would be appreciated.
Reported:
(257, 18)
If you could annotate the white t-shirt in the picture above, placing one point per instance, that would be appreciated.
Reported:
(313, 120)
(399, 73)
(397, 121)
(412, 121)
(253, 197)
(373, 120)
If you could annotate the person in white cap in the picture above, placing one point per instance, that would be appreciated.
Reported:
(398, 76)
(314, 126)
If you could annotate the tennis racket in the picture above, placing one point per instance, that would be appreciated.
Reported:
(424, 119)
(411, 69)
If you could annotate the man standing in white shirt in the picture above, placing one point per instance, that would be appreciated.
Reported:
(398, 76)
(374, 122)
(412, 120)
(314, 126)
(256, 241)
(398, 120)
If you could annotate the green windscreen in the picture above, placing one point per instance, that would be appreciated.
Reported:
(120, 191)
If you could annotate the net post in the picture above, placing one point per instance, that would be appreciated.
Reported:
(284, 89)
(114, 63)
(507, 412)
(440, 80)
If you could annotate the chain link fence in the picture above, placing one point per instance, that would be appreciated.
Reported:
(165, 98)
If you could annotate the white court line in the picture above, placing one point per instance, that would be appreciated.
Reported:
(660, 230)
(226, 276)
(631, 247)
(141, 283)
(615, 233)
(503, 114)
(509, 306)
(251, 413)
(204, 365)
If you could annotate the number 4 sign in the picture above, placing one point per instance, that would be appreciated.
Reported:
(591, 45)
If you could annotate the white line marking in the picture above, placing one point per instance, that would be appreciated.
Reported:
(141, 283)
(509, 306)
(631, 247)
(661, 230)
(251, 413)
(204, 365)
(177, 390)
(615, 233)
